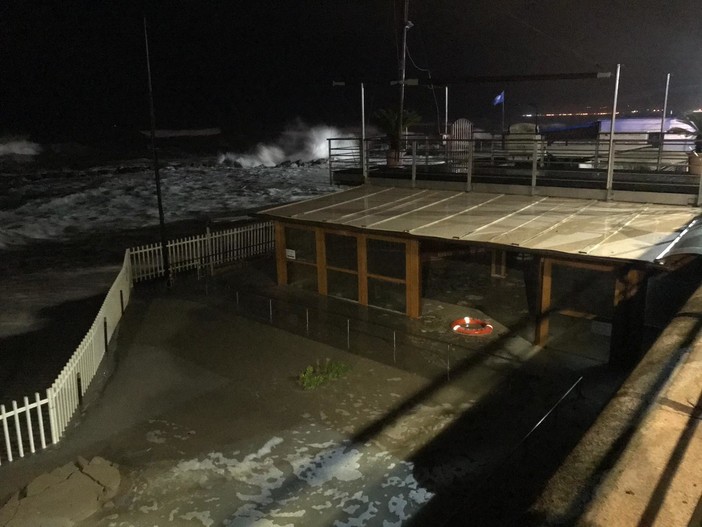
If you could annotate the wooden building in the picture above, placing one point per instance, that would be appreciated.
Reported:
(366, 244)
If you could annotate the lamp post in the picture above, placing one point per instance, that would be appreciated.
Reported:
(162, 223)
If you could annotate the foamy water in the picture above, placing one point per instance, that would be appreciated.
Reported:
(61, 204)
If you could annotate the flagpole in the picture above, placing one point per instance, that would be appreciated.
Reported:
(503, 111)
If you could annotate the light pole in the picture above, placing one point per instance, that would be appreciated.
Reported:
(162, 223)
(403, 58)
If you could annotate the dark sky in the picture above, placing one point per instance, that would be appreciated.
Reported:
(69, 67)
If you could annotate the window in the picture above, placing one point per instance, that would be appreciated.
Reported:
(300, 245)
(341, 251)
(386, 258)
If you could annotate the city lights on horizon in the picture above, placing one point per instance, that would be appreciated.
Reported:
(600, 113)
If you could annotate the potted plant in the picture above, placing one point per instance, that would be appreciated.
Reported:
(387, 121)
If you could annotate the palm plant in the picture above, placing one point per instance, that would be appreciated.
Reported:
(387, 120)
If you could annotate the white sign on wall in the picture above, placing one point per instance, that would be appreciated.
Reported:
(290, 254)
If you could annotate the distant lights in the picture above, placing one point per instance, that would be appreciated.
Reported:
(596, 113)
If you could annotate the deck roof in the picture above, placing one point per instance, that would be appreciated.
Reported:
(583, 227)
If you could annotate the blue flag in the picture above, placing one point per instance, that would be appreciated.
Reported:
(500, 99)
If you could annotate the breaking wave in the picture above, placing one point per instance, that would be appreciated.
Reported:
(19, 147)
(298, 142)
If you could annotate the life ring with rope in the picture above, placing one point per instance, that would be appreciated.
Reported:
(471, 326)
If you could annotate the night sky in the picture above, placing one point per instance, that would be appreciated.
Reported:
(77, 67)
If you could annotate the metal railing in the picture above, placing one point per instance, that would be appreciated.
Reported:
(639, 162)
(39, 421)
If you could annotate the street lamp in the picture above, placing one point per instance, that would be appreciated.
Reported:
(161, 221)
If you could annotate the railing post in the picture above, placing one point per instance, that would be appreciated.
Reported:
(329, 153)
(699, 192)
(426, 152)
(414, 163)
(18, 430)
(364, 161)
(208, 248)
(534, 165)
(6, 432)
(52, 415)
(469, 171)
(30, 427)
(597, 151)
(40, 417)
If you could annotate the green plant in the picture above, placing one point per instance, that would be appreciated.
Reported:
(387, 120)
(315, 376)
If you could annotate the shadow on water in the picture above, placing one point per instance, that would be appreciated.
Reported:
(479, 468)
(473, 465)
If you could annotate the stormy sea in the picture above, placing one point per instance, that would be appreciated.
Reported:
(68, 213)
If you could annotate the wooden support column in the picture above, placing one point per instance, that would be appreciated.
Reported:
(544, 302)
(281, 263)
(498, 269)
(413, 279)
(629, 316)
(321, 261)
(362, 258)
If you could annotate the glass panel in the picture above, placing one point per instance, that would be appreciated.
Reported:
(387, 295)
(386, 258)
(300, 245)
(341, 251)
(302, 276)
(583, 290)
(343, 285)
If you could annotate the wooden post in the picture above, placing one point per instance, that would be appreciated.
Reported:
(544, 304)
(362, 258)
(321, 261)
(413, 279)
(280, 260)
(498, 269)
(629, 316)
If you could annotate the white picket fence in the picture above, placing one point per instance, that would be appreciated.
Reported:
(204, 251)
(24, 426)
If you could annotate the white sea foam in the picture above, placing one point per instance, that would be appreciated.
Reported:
(56, 208)
(19, 147)
(298, 142)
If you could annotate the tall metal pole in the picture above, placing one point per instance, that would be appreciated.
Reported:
(446, 112)
(610, 158)
(162, 223)
(665, 110)
(364, 167)
(403, 58)
(503, 112)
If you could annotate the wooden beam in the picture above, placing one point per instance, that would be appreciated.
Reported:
(544, 305)
(413, 277)
(580, 264)
(320, 242)
(362, 256)
(626, 342)
(281, 262)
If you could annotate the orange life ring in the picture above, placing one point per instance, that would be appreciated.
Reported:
(471, 326)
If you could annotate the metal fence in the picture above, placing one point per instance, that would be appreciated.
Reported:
(640, 162)
(39, 421)
(548, 403)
